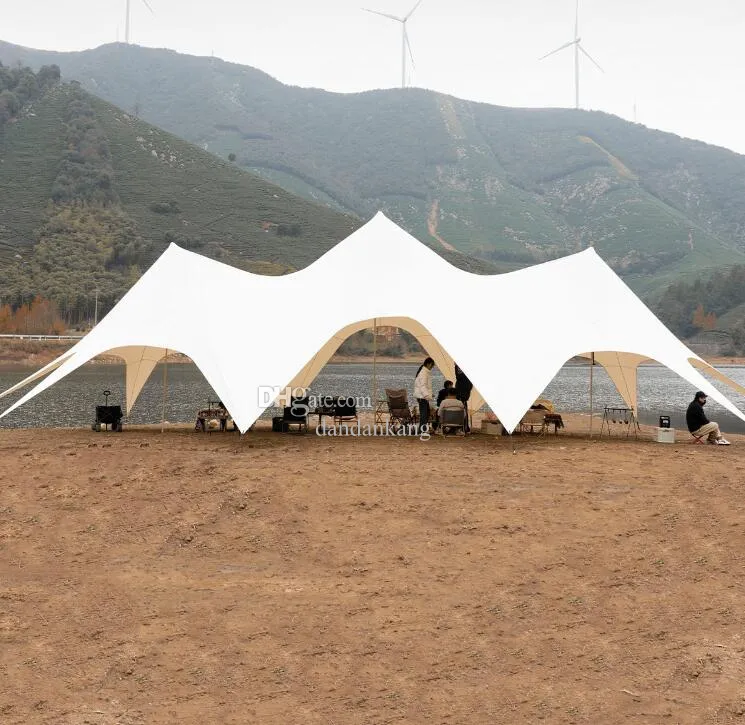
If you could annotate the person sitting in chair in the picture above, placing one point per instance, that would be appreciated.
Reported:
(447, 385)
(451, 402)
(699, 425)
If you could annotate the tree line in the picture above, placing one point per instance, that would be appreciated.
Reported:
(20, 85)
(87, 246)
(690, 307)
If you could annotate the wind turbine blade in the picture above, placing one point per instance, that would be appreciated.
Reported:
(576, 22)
(408, 45)
(147, 5)
(591, 58)
(376, 12)
(411, 12)
(566, 45)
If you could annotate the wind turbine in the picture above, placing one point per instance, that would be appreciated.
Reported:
(405, 45)
(577, 43)
(129, 15)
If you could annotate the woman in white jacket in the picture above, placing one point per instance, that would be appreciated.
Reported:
(423, 390)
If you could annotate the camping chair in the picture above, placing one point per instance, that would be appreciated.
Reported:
(452, 420)
(398, 407)
(533, 419)
(345, 410)
(698, 439)
(296, 414)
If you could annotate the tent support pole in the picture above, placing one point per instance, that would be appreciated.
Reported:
(592, 365)
(165, 387)
(374, 401)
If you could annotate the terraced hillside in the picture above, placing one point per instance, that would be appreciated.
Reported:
(91, 195)
(513, 186)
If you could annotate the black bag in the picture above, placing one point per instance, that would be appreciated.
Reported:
(278, 424)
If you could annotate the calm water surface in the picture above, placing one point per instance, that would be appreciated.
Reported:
(72, 401)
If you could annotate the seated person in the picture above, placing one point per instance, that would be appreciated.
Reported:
(447, 385)
(451, 402)
(699, 425)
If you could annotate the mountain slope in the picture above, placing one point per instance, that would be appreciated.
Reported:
(512, 185)
(92, 195)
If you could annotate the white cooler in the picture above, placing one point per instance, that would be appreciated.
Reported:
(666, 435)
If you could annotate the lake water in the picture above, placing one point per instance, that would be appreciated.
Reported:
(72, 401)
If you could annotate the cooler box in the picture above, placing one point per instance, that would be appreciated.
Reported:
(491, 428)
(666, 435)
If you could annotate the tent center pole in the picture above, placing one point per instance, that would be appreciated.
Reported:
(165, 388)
(374, 401)
(592, 365)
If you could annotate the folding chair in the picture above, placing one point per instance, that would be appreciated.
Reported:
(452, 420)
(398, 407)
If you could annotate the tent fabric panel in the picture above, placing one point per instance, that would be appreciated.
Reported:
(140, 361)
(158, 312)
(705, 367)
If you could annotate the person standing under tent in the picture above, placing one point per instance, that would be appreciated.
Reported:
(423, 391)
(463, 388)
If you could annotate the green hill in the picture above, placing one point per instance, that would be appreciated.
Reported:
(92, 195)
(514, 186)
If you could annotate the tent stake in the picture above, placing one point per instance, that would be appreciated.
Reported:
(165, 384)
(592, 365)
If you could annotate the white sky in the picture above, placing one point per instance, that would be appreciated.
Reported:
(681, 61)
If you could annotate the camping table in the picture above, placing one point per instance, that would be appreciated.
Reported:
(208, 414)
(322, 410)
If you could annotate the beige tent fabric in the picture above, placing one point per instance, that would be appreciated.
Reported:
(140, 362)
(704, 367)
(622, 369)
(432, 347)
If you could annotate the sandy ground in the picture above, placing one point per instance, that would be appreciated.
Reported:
(292, 579)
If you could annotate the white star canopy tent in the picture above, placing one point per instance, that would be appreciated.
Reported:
(511, 333)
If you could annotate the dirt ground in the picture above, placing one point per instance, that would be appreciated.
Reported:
(293, 579)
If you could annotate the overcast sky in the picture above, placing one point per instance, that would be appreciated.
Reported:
(681, 62)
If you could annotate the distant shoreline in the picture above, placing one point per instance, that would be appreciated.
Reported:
(17, 355)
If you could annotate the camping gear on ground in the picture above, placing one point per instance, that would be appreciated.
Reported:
(108, 415)
(491, 427)
(214, 416)
(665, 434)
(534, 418)
(345, 411)
(295, 414)
(325, 407)
(555, 420)
(619, 420)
